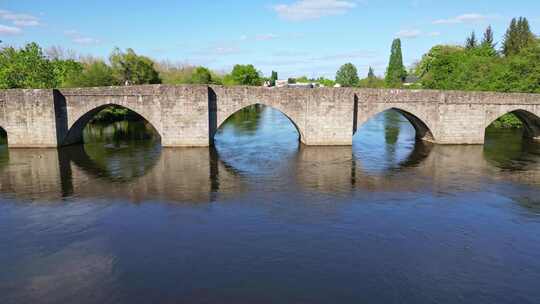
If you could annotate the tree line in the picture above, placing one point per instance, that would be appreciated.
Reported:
(479, 65)
(32, 67)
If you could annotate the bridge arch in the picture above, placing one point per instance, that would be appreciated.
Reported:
(420, 123)
(530, 120)
(75, 132)
(225, 116)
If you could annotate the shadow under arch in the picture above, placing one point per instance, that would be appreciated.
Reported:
(420, 152)
(423, 131)
(530, 121)
(75, 133)
(3, 137)
(259, 106)
(4, 151)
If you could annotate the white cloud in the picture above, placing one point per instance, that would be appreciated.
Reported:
(434, 34)
(78, 38)
(9, 30)
(465, 18)
(409, 34)
(313, 9)
(19, 19)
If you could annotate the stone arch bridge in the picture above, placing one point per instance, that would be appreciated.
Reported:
(190, 115)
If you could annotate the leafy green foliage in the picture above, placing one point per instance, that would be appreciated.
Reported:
(471, 42)
(94, 74)
(517, 37)
(246, 75)
(133, 69)
(396, 73)
(325, 82)
(65, 70)
(371, 81)
(507, 121)
(303, 79)
(273, 78)
(26, 68)
(488, 41)
(201, 75)
(347, 75)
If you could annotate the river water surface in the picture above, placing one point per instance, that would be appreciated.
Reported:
(264, 219)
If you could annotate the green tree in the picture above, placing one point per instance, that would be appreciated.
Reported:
(246, 75)
(65, 70)
(471, 42)
(371, 81)
(26, 68)
(325, 82)
(488, 40)
(347, 75)
(371, 73)
(132, 69)
(302, 79)
(396, 73)
(518, 36)
(94, 74)
(521, 73)
(201, 75)
(273, 78)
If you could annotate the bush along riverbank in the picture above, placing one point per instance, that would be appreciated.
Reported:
(507, 121)
(114, 114)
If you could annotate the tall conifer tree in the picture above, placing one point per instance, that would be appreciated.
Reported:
(488, 40)
(396, 73)
(471, 42)
(517, 37)
(371, 73)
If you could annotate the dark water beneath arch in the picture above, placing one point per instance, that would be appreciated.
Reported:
(263, 219)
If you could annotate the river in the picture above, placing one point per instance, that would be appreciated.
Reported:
(261, 218)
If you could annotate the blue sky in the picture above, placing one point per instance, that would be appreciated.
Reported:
(293, 37)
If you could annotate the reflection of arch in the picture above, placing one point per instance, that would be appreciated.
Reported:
(419, 153)
(75, 133)
(531, 122)
(80, 157)
(421, 126)
(238, 109)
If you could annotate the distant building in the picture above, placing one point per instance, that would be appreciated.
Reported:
(301, 85)
(282, 83)
(286, 83)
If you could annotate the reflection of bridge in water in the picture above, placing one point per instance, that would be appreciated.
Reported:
(199, 175)
(191, 175)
